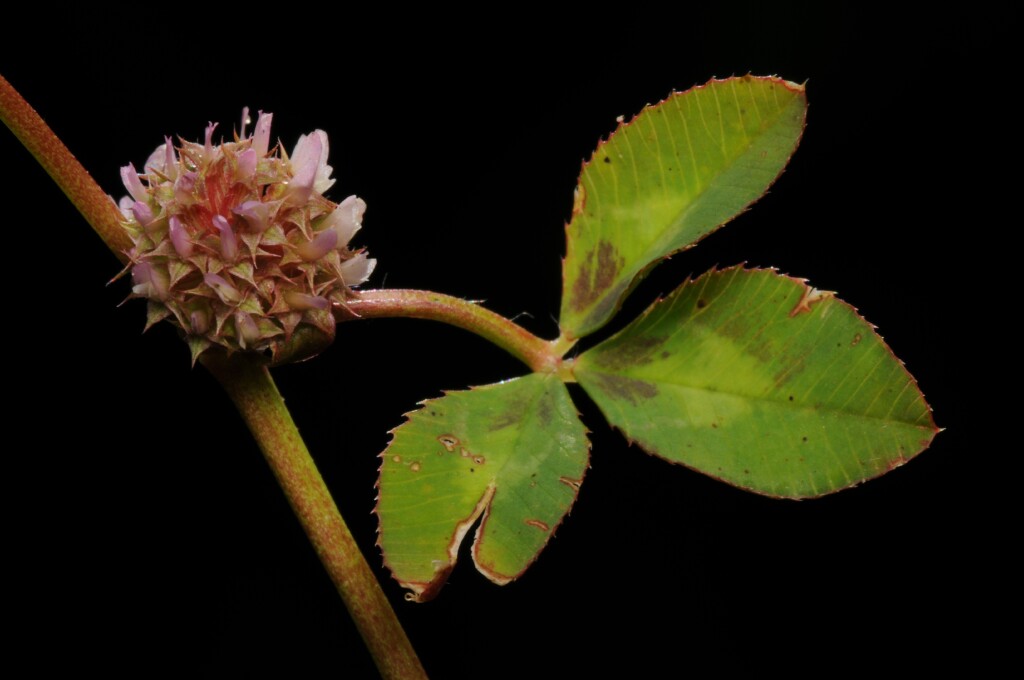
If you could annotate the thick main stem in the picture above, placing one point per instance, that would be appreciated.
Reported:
(255, 394)
(73, 179)
(540, 355)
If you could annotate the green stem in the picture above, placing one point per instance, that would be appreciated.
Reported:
(95, 205)
(540, 355)
(255, 394)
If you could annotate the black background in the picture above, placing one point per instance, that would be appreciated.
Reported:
(144, 530)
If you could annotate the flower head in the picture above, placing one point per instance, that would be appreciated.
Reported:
(235, 244)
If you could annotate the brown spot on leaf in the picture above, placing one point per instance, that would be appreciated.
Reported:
(762, 351)
(396, 458)
(415, 467)
(701, 303)
(789, 368)
(579, 200)
(509, 417)
(449, 442)
(856, 340)
(537, 523)
(573, 484)
(479, 460)
(637, 352)
(544, 409)
(465, 453)
(810, 296)
(597, 273)
(629, 389)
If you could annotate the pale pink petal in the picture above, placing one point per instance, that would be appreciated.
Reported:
(357, 269)
(170, 168)
(200, 322)
(245, 121)
(323, 171)
(133, 184)
(150, 281)
(224, 290)
(184, 187)
(156, 160)
(246, 164)
(228, 242)
(125, 206)
(305, 161)
(256, 215)
(143, 214)
(179, 237)
(261, 136)
(248, 331)
(208, 146)
(323, 243)
(163, 160)
(141, 274)
(302, 302)
(346, 219)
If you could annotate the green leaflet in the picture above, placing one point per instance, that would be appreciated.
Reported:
(514, 453)
(763, 382)
(667, 178)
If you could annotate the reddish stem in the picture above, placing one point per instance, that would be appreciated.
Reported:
(254, 393)
(95, 205)
(540, 355)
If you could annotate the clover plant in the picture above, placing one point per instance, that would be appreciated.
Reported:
(747, 375)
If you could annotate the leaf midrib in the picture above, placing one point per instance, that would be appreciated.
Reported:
(762, 398)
